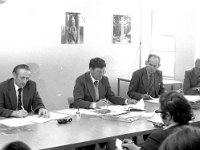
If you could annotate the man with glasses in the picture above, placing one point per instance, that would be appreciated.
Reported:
(147, 82)
(175, 111)
(191, 84)
(92, 89)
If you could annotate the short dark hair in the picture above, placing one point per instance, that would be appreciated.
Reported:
(21, 66)
(185, 138)
(153, 55)
(178, 107)
(17, 145)
(97, 63)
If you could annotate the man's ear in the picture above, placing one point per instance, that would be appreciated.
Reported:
(14, 75)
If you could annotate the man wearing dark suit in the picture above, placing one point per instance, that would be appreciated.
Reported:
(92, 90)
(191, 84)
(19, 96)
(147, 82)
(175, 111)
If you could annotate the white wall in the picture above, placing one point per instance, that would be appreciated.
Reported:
(30, 32)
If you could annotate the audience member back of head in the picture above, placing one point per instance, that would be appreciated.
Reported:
(17, 145)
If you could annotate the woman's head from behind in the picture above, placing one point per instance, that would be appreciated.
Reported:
(185, 138)
(175, 108)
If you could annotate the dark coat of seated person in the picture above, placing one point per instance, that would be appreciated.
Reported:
(147, 82)
(19, 95)
(17, 145)
(191, 83)
(185, 138)
(175, 111)
(92, 90)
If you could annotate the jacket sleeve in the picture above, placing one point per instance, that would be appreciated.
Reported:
(187, 89)
(162, 89)
(3, 111)
(110, 95)
(133, 86)
(37, 101)
(78, 93)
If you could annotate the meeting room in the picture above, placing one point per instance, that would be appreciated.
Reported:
(99, 74)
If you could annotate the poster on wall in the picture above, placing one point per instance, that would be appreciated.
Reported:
(121, 29)
(72, 31)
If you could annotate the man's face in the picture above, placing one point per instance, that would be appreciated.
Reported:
(152, 65)
(197, 68)
(97, 73)
(21, 77)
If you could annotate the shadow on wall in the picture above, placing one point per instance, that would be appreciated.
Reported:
(35, 76)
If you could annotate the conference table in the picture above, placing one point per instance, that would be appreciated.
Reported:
(83, 130)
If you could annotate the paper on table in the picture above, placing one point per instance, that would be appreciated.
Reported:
(36, 119)
(81, 110)
(138, 106)
(192, 98)
(154, 100)
(156, 118)
(15, 122)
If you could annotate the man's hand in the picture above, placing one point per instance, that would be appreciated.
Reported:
(102, 103)
(19, 114)
(129, 145)
(146, 97)
(43, 113)
(131, 101)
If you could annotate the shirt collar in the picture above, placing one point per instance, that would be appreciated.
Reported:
(171, 125)
(16, 87)
(93, 80)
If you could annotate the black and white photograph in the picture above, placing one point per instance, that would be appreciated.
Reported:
(121, 29)
(72, 32)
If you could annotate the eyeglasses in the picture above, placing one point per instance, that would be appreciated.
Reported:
(159, 111)
(100, 71)
(154, 66)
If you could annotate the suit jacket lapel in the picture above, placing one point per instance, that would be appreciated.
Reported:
(12, 94)
(90, 86)
(145, 79)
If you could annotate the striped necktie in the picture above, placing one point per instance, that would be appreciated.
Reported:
(96, 84)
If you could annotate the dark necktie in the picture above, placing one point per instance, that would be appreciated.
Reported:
(151, 85)
(19, 106)
(96, 84)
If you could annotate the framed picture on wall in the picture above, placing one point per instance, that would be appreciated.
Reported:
(121, 29)
(72, 31)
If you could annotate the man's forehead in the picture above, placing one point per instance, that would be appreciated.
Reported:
(154, 60)
(24, 71)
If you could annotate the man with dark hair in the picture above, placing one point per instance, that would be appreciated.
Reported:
(175, 111)
(17, 145)
(19, 95)
(147, 82)
(191, 84)
(92, 89)
(185, 138)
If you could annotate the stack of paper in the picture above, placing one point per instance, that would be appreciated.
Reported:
(16, 122)
(194, 101)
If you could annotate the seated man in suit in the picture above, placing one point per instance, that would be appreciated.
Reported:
(147, 82)
(191, 84)
(92, 89)
(19, 96)
(175, 111)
